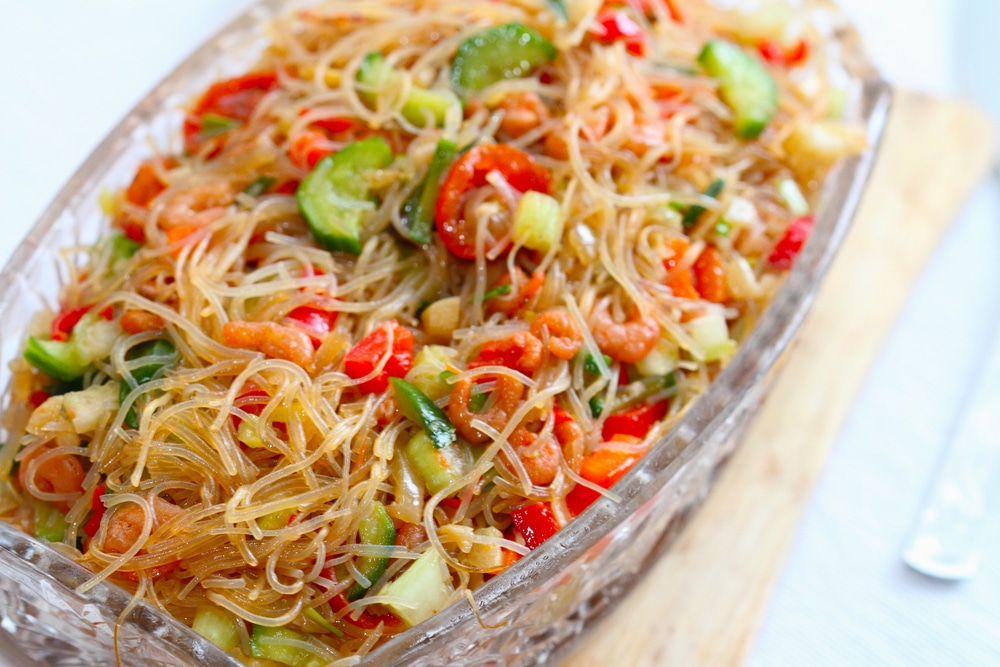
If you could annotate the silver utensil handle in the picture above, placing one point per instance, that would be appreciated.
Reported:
(946, 540)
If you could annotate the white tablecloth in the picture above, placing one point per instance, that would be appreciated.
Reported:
(72, 69)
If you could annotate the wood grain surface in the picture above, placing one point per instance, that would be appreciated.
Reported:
(703, 603)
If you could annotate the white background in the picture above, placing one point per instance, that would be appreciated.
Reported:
(72, 69)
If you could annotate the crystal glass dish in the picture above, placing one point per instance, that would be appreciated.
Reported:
(531, 613)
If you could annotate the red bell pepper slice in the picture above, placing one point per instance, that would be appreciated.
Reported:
(790, 244)
(362, 359)
(368, 619)
(469, 172)
(616, 26)
(710, 276)
(63, 323)
(234, 98)
(604, 468)
(771, 51)
(535, 523)
(97, 511)
(636, 421)
(314, 321)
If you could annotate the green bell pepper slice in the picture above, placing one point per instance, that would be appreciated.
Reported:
(417, 407)
(418, 209)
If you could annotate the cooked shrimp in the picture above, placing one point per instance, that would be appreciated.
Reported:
(523, 112)
(570, 436)
(59, 474)
(135, 320)
(197, 206)
(628, 341)
(521, 351)
(274, 340)
(506, 396)
(539, 456)
(511, 304)
(124, 527)
(565, 339)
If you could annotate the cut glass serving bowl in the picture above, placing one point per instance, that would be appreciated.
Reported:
(530, 614)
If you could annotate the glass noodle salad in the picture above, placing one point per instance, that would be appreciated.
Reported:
(407, 298)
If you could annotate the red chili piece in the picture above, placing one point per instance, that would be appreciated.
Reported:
(636, 421)
(368, 619)
(63, 323)
(97, 511)
(790, 245)
(604, 468)
(315, 322)
(535, 523)
(615, 26)
(362, 359)
(774, 53)
(233, 98)
(469, 172)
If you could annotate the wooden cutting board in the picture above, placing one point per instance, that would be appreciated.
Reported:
(703, 603)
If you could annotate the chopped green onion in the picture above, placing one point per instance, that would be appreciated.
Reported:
(500, 290)
(793, 197)
(596, 406)
(590, 364)
(214, 125)
(318, 619)
(477, 400)
(713, 190)
(722, 228)
(559, 8)
(260, 186)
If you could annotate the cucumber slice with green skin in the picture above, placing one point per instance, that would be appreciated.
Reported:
(438, 467)
(376, 529)
(744, 85)
(376, 73)
(265, 643)
(218, 626)
(334, 197)
(423, 589)
(509, 51)
(57, 359)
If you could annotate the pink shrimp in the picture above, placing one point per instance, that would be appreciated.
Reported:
(197, 206)
(274, 340)
(506, 396)
(627, 341)
(565, 339)
(124, 528)
(539, 456)
(523, 112)
(521, 351)
(59, 474)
